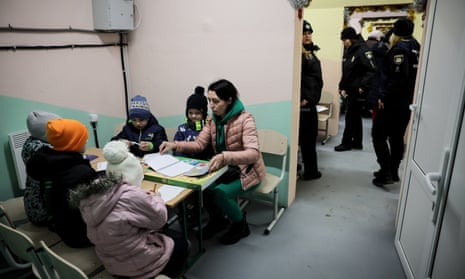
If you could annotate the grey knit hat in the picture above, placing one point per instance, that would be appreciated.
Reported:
(37, 123)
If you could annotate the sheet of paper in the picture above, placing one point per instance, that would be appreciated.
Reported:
(167, 164)
(101, 166)
(321, 108)
(157, 161)
(169, 192)
(176, 169)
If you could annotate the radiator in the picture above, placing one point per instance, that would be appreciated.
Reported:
(17, 140)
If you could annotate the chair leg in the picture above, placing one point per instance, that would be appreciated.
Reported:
(327, 136)
(275, 220)
(277, 212)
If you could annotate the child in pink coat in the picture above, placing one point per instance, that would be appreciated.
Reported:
(124, 221)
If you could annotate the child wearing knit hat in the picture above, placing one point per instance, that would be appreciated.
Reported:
(124, 222)
(123, 163)
(142, 132)
(33, 201)
(196, 115)
(67, 135)
(60, 168)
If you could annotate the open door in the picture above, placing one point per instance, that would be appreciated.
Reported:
(435, 126)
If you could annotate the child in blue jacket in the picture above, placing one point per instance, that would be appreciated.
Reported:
(142, 132)
(196, 115)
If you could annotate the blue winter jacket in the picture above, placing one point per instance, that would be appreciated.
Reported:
(153, 132)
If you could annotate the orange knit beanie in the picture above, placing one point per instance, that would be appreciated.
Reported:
(66, 134)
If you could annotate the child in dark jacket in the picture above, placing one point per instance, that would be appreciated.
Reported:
(142, 132)
(196, 115)
(59, 169)
(33, 199)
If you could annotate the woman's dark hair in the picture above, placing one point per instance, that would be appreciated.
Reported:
(224, 90)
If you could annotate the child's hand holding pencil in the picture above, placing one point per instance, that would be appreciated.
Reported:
(155, 189)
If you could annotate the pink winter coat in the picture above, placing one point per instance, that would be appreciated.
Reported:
(123, 225)
(242, 147)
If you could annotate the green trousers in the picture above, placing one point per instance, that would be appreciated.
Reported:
(225, 198)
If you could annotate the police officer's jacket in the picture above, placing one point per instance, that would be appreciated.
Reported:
(358, 68)
(400, 69)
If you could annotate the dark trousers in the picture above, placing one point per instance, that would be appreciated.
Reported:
(353, 131)
(389, 126)
(177, 263)
(308, 132)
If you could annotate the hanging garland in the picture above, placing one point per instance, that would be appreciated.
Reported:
(299, 4)
(419, 5)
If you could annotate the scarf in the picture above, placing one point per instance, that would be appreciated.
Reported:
(236, 108)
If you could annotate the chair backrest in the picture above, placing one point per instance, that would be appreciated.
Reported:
(326, 101)
(60, 267)
(274, 143)
(12, 212)
(118, 128)
(21, 246)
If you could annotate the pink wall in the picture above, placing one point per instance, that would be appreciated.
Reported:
(178, 46)
(174, 48)
(87, 79)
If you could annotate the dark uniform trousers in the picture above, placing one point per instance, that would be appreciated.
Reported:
(353, 131)
(308, 133)
(389, 125)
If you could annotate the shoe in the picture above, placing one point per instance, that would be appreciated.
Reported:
(382, 180)
(395, 176)
(342, 147)
(237, 231)
(213, 227)
(311, 176)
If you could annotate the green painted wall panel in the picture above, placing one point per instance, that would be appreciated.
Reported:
(13, 112)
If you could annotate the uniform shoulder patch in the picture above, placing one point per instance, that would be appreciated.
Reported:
(369, 54)
(398, 59)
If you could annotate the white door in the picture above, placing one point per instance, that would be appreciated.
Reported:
(449, 260)
(434, 128)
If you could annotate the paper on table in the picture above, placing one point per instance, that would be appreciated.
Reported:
(157, 161)
(321, 108)
(101, 166)
(166, 164)
(169, 192)
(176, 169)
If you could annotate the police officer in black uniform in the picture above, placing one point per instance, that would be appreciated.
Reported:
(358, 71)
(311, 85)
(391, 120)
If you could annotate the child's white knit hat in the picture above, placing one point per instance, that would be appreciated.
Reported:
(122, 162)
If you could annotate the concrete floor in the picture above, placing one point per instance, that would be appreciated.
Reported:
(340, 226)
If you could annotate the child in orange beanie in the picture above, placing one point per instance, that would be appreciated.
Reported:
(58, 169)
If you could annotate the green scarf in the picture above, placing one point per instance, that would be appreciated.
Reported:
(236, 108)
